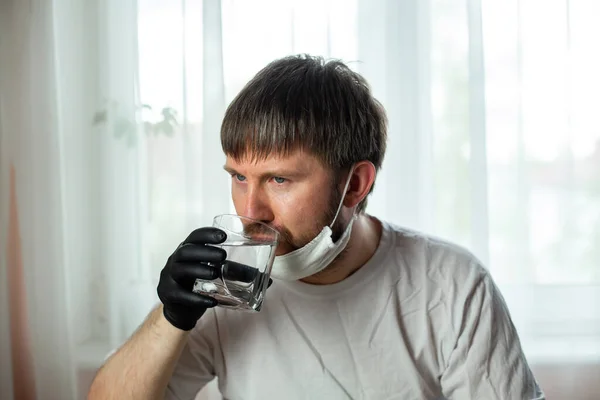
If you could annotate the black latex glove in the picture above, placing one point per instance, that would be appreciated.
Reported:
(182, 307)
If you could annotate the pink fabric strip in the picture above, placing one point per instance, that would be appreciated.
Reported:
(22, 357)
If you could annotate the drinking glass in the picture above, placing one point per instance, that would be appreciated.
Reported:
(244, 278)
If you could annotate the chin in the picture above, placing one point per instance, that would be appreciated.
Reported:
(283, 250)
(279, 252)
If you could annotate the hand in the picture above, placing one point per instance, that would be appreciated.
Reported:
(190, 261)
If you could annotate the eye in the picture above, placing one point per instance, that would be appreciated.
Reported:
(279, 179)
(239, 177)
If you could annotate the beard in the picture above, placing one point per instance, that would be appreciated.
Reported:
(291, 242)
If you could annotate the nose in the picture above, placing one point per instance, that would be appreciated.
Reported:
(256, 205)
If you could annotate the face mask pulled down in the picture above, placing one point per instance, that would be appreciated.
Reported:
(314, 256)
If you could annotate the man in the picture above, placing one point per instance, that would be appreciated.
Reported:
(359, 308)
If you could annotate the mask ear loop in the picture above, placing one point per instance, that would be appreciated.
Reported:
(344, 194)
(354, 215)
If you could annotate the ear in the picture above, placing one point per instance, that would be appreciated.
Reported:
(363, 177)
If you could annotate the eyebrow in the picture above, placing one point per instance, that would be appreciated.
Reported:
(282, 173)
(229, 169)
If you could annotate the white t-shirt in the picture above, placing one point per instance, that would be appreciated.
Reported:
(422, 319)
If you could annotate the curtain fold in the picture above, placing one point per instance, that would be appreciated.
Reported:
(31, 150)
(213, 109)
(477, 133)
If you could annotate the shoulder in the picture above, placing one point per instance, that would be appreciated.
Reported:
(433, 261)
(445, 273)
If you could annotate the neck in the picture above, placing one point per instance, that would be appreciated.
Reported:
(366, 233)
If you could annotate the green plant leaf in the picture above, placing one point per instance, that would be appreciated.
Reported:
(169, 114)
(131, 139)
(123, 127)
(168, 129)
(99, 117)
(148, 128)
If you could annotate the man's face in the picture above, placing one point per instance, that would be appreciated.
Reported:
(296, 195)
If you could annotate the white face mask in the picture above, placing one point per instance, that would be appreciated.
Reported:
(316, 255)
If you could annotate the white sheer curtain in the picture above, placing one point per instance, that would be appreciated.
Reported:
(494, 143)
(70, 192)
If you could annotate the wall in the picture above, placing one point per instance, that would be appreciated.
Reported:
(569, 382)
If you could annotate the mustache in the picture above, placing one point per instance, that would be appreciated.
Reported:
(257, 230)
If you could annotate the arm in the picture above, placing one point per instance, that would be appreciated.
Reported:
(141, 368)
(487, 361)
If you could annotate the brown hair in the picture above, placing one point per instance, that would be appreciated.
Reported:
(304, 102)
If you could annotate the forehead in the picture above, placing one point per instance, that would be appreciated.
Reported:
(298, 160)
